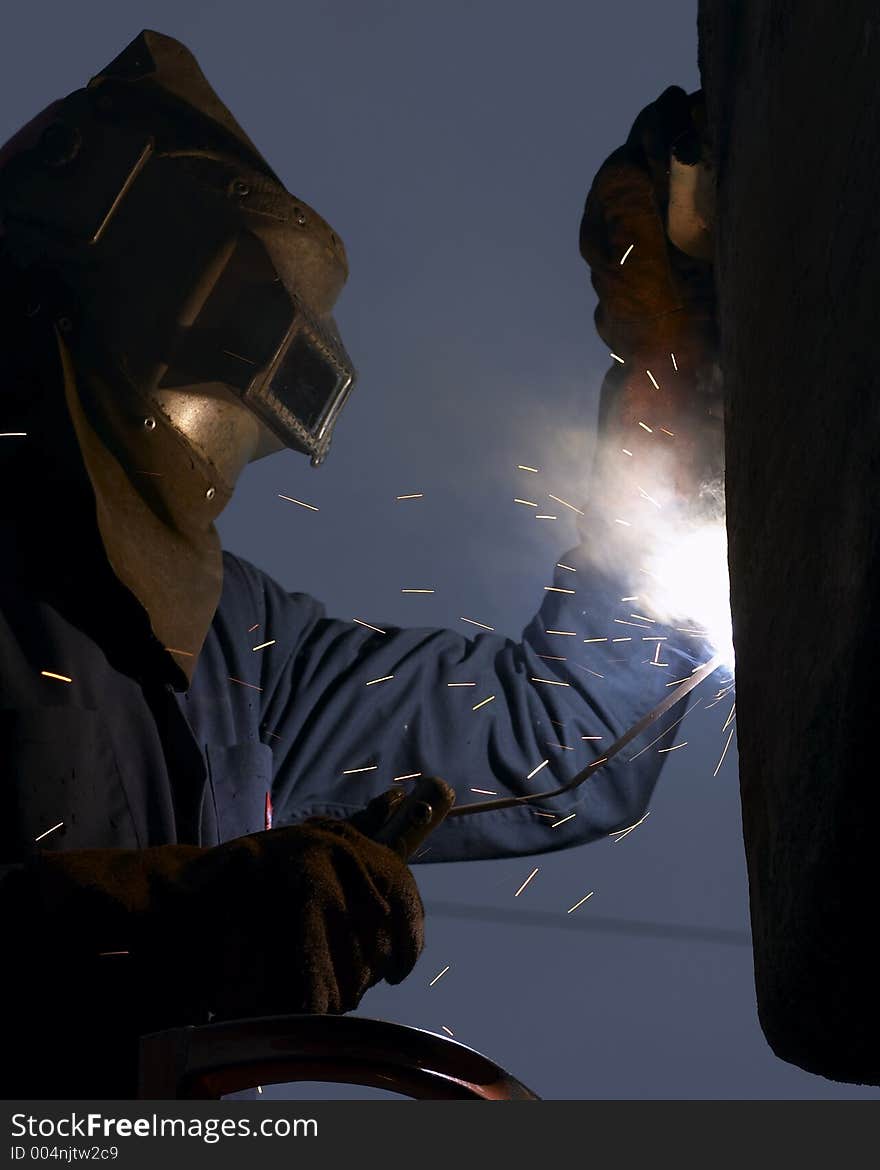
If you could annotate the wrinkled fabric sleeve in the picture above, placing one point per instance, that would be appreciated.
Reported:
(348, 710)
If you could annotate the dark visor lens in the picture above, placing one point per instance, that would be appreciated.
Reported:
(306, 382)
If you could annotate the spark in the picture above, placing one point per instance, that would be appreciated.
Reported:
(528, 503)
(255, 626)
(291, 500)
(591, 737)
(526, 882)
(618, 359)
(624, 639)
(535, 771)
(412, 496)
(559, 658)
(552, 682)
(670, 433)
(724, 753)
(482, 625)
(106, 954)
(561, 746)
(368, 626)
(635, 625)
(654, 382)
(684, 743)
(656, 658)
(674, 362)
(52, 674)
(645, 427)
(626, 452)
(48, 831)
(626, 253)
(384, 678)
(729, 717)
(586, 640)
(559, 565)
(566, 504)
(570, 817)
(625, 523)
(353, 771)
(665, 730)
(544, 516)
(464, 684)
(259, 1088)
(522, 467)
(13, 434)
(241, 682)
(408, 776)
(263, 645)
(620, 834)
(484, 791)
(449, 1031)
(572, 909)
(658, 638)
(483, 703)
(642, 618)
(650, 499)
(630, 598)
(417, 591)
(587, 669)
(563, 633)
(185, 653)
(440, 975)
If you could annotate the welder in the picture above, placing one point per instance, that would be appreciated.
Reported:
(166, 318)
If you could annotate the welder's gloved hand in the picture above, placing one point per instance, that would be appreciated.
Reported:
(656, 312)
(299, 919)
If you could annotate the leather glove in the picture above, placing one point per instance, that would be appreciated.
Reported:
(657, 303)
(299, 919)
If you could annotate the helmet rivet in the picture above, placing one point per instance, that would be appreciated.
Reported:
(210, 493)
(240, 187)
(150, 424)
(301, 219)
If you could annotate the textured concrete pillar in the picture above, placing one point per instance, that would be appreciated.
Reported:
(793, 91)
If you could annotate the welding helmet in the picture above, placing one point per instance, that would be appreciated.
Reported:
(179, 265)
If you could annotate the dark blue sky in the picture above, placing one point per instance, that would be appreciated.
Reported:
(451, 145)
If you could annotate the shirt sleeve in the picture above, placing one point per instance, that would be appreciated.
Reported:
(348, 710)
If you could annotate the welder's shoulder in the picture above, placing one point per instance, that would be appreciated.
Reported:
(252, 596)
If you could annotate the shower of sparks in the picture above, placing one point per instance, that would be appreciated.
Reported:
(440, 975)
(572, 909)
(417, 591)
(551, 682)
(291, 500)
(482, 625)
(559, 565)
(242, 683)
(566, 504)
(354, 771)
(462, 684)
(483, 703)
(263, 645)
(384, 678)
(526, 882)
(255, 626)
(535, 771)
(563, 633)
(545, 516)
(522, 467)
(626, 452)
(48, 831)
(729, 718)
(570, 817)
(52, 674)
(618, 359)
(408, 776)
(674, 362)
(484, 791)
(620, 834)
(660, 751)
(448, 1031)
(626, 253)
(556, 589)
(412, 496)
(724, 753)
(528, 503)
(665, 731)
(368, 626)
(653, 380)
